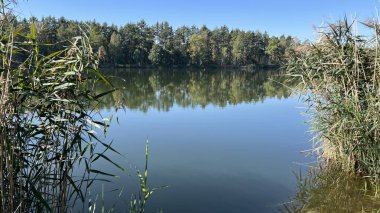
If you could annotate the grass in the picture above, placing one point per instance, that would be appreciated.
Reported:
(340, 74)
(47, 125)
(137, 201)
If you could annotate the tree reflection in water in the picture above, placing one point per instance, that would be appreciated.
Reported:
(162, 89)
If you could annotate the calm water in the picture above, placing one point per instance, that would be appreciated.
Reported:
(223, 141)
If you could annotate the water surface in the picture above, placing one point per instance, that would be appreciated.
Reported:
(223, 141)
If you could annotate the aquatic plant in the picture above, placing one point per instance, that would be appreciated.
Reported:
(138, 203)
(47, 125)
(340, 74)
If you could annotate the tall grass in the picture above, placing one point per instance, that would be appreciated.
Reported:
(341, 75)
(47, 125)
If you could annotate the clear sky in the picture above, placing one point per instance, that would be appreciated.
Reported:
(292, 17)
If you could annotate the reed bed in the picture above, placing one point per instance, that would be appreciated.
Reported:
(340, 74)
(47, 125)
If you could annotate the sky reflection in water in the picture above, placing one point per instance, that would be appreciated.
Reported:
(232, 153)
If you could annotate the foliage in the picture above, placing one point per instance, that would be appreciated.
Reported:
(115, 48)
(159, 56)
(341, 75)
(47, 125)
(134, 42)
(275, 50)
(199, 47)
(138, 203)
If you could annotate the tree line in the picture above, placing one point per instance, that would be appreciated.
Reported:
(140, 44)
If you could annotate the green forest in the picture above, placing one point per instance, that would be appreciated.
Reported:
(140, 45)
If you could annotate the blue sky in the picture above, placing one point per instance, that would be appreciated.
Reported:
(293, 17)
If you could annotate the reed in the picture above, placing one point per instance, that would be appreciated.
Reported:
(340, 74)
(47, 125)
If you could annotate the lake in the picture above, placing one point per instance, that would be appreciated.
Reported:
(222, 141)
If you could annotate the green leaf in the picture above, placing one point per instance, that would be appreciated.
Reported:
(104, 93)
(97, 73)
(39, 196)
(102, 173)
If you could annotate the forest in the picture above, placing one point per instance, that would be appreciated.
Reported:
(161, 45)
